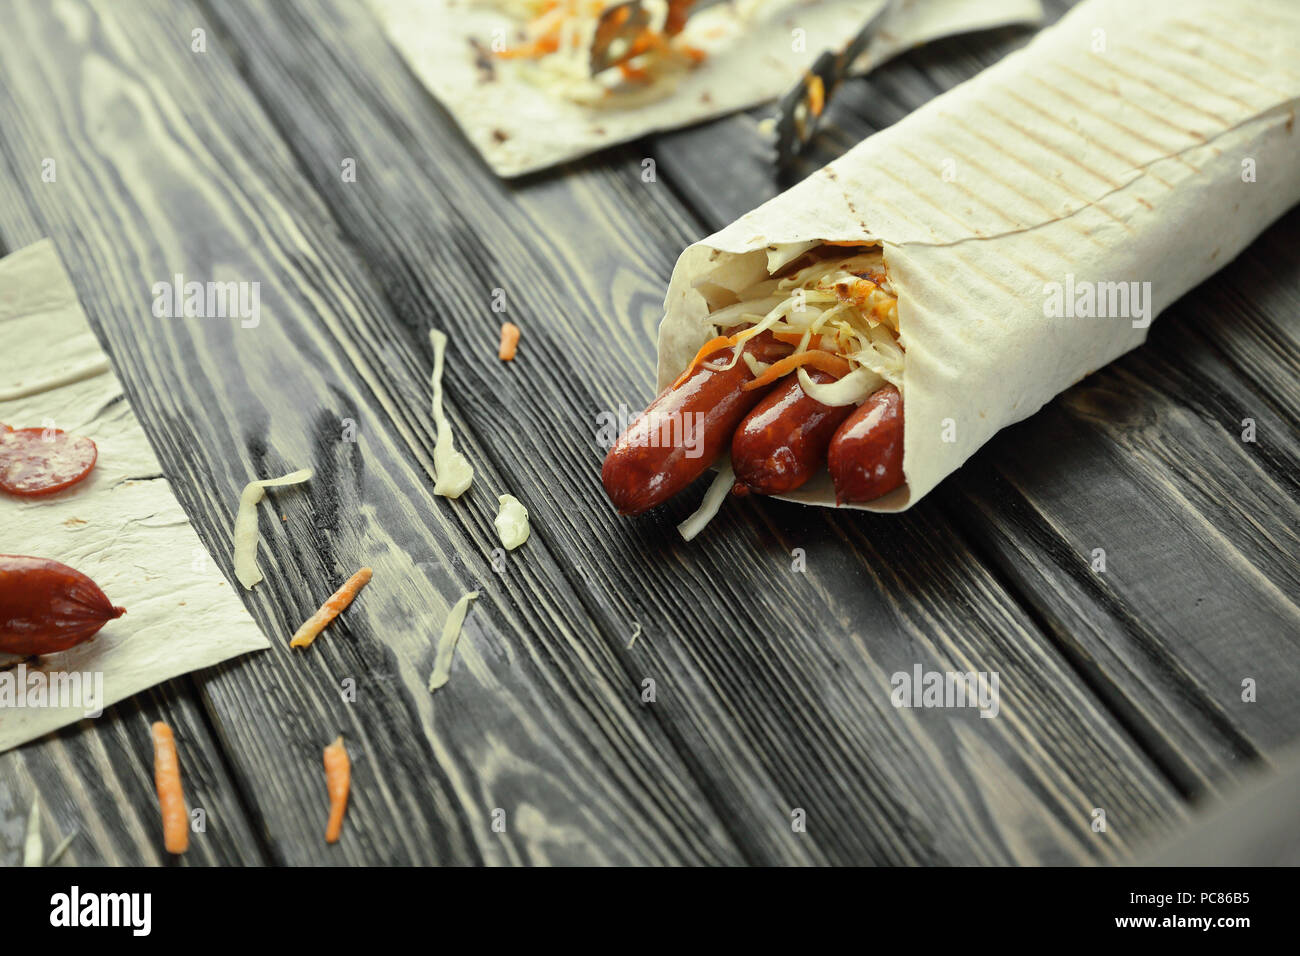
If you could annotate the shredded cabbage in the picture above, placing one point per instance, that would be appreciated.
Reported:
(448, 640)
(511, 522)
(842, 304)
(756, 366)
(33, 849)
(852, 389)
(245, 534)
(712, 503)
(556, 52)
(452, 470)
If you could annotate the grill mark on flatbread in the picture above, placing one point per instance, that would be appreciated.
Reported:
(1223, 121)
(899, 213)
(969, 234)
(1246, 54)
(1242, 77)
(1161, 150)
(966, 229)
(1212, 90)
(976, 277)
(1082, 198)
(950, 298)
(1155, 117)
(1260, 14)
(1032, 137)
(1014, 225)
(1128, 161)
(1048, 211)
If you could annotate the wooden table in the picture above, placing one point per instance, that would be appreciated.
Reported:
(1120, 691)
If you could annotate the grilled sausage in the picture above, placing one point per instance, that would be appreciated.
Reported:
(678, 437)
(866, 454)
(783, 441)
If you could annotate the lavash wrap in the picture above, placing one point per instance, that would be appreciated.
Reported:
(753, 56)
(1120, 165)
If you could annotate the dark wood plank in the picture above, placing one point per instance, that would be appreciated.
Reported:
(1144, 459)
(167, 165)
(95, 779)
(774, 685)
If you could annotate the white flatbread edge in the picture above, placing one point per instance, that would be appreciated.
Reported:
(122, 526)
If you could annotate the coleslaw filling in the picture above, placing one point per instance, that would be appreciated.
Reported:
(841, 303)
(836, 301)
(553, 50)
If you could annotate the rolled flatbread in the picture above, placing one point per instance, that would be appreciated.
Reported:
(1034, 220)
(524, 119)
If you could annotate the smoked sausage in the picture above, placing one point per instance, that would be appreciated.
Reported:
(46, 606)
(866, 454)
(783, 441)
(680, 435)
(41, 461)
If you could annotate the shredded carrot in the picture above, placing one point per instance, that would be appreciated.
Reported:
(338, 781)
(816, 94)
(825, 361)
(543, 45)
(509, 341)
(848, 244)
(167, 781)
(645, 41)
(634, 74)
(620, 17)
(709, 347)
(694, 53)
(330, 609)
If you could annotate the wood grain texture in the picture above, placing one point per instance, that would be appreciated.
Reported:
(95, 779)
(773, 684)
(1144, 459)
(168, 166)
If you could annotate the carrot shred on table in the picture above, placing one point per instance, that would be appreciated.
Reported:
(171, 798)
(338, 781)
(825, 361)
(330, 609)
(509, 341)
